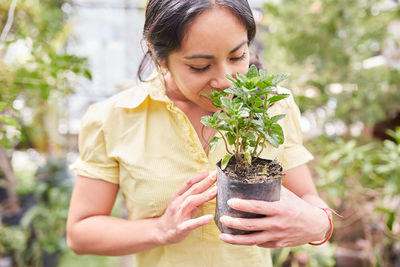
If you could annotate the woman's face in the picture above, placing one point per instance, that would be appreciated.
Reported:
(214, 44)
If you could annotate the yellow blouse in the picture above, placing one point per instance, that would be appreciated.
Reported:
(141, 141)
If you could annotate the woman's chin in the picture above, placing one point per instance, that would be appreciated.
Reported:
(210, 108)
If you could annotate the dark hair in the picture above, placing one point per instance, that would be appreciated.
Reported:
(167, 20)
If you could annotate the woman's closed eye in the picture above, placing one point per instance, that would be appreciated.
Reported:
(243, 56)
(202, 69)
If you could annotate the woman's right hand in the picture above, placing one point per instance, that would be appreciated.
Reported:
(179, 219)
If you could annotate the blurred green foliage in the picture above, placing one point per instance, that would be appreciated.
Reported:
(326, 42)
(362, 180)
(334, 51)
(36, 75)
(43, 225)
(13, 240)
(35, 68)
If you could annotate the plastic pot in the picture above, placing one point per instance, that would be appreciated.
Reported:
(229, 188)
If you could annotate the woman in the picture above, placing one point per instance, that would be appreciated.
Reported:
(149, 143)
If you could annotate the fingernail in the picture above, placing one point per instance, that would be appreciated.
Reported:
(223, 218)
(223, 237)
(232, 201)
(213, 175)
(209, 216)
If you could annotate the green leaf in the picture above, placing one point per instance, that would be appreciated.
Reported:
(5, 143)
(225, 117)
(240, 77)
(279, 77)
(390, 220)
(227, 104)
(252, 143)
(213, 143)
(244, 112)
(208, 96)
(247, 157)
(231, 138)
(225, 161)
(257, 122)
(275, 135)
(262, 73)
(258, 102)
(277, 98)
(226, 127)
(8, 120)
(278, 117)
(229, 77)
(265, 91)
(237, 91)
(391, 216)
(252, 72)
(3, 106)
(250, 136)
(273, 141)
(207, 121)
(87, 74)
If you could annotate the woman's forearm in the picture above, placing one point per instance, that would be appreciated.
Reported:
(315, 200)
(110, 236)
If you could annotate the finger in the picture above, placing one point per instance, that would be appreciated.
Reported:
(189, 182)
(248, 240)
(201, 186)
(272, 244)
(194, 201)
(281, 244)
(192, 224)
(254, 224)
(255, 206)
(277, 244)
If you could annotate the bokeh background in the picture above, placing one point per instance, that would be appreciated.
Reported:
(59, 56)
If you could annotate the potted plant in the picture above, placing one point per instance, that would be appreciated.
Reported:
(245, 126)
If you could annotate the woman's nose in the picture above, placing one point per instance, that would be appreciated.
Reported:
(219, 81)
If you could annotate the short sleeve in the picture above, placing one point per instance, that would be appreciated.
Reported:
(94, 161)
(294, 153)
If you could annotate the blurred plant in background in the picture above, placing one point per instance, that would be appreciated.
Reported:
(340, 51)
(344, 57)
(36, 76)
(362, 181)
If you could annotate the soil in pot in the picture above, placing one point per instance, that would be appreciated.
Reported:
(234, 182)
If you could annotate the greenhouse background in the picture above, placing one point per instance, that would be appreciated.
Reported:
(58, 57)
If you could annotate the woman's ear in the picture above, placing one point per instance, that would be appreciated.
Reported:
(150, 47)
(161, 63)
(163, 67)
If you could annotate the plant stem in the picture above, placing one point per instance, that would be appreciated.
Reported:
(262, 147)
(242, 147)
(257, 142)
(225, 142)
(237, 147)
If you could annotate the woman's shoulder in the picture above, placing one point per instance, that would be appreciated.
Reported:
(112, 107)
(129, 98)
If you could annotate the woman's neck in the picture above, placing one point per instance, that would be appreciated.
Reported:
(180, 101)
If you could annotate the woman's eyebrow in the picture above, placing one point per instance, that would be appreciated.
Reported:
(211, 57)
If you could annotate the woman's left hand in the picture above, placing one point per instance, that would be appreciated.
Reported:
(289, 222)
